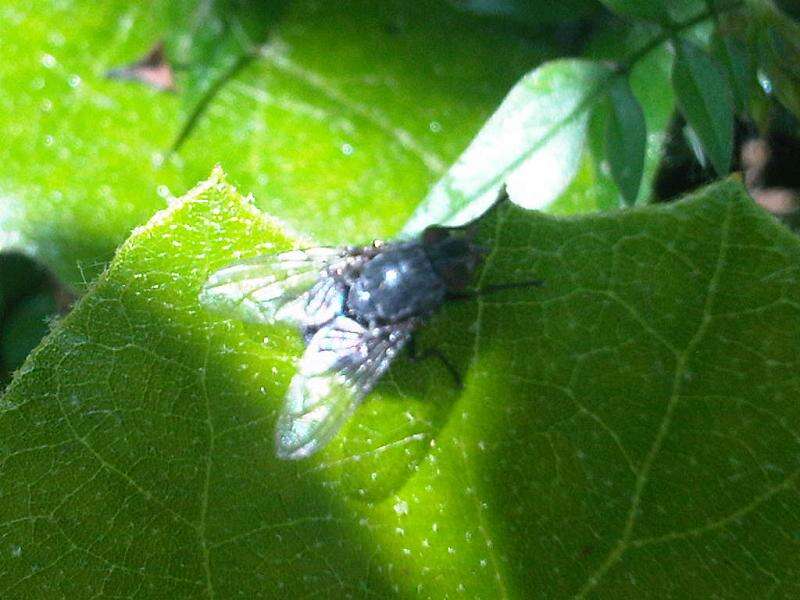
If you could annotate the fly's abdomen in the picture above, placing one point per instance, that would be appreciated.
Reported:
(396, 285)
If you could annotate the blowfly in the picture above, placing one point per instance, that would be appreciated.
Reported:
(356, 307)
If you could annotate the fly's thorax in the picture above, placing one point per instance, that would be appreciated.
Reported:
(397, 284)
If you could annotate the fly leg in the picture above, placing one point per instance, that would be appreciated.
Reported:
(416, 355)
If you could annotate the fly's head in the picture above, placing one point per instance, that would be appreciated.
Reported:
(454, 255)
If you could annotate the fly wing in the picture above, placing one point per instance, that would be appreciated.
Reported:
(290, 286)
(341, 364)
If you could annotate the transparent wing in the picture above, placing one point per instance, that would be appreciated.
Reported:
(291, 286)
(341, 364)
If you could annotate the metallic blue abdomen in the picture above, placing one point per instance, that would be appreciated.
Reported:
(395, 285)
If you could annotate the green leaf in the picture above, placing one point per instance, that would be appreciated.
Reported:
(339, 125)
(215, 43)
(529, 12)
(732, 54)
(705, 100)
(626, 139)
(532, 143)
(648, 10)
(778, 42)
(650, 81)
(629, 428)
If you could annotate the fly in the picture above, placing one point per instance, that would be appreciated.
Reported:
(357, 307)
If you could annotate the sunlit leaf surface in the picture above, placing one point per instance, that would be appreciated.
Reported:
(632, 420)
(533, 144)
(339, 124)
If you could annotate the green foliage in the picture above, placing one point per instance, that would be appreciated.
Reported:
(649, 10)
(371, 124)
(628, 430)
(528, 12)
(731, 54)
(633, 419)
(532, 144)
(534, 141)
(24, 327)
(626, 139)
(705, 99)
(27, 304)
(352, 137)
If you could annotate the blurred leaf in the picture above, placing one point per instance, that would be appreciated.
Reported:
(650, 81)
(777, 38)
(23, 327)
(781, 85)
(626, 139)
(705, 100)
(533, 143)
(215, 42)
(790, 7)
(19, 276)
(25, 292)
(531, 12)
(649, 10)
(732, 54)
(211, 37)
(339, 125)
(641, 405)
(783, 76)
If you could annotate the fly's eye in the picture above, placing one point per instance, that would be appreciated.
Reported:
(435, 235)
